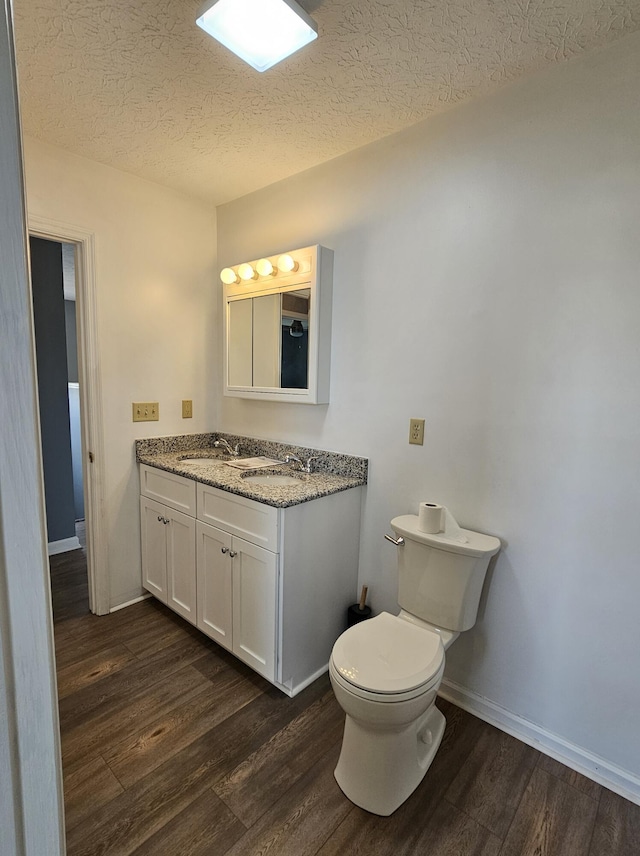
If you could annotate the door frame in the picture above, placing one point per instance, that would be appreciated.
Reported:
(31, 807)
(91, 422)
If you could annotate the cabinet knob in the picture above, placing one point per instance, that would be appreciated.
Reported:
(224, 549)
(233, 553)
(160, 520)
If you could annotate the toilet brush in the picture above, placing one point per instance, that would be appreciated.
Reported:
(359, 611)
(363, 597)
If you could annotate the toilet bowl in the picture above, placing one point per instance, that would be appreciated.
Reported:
(385, 674)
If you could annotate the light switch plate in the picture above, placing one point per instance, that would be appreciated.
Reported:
(146, 411)
(187, 408)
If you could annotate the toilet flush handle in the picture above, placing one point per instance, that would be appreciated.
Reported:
(399, 542)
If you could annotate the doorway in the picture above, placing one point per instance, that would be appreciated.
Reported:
(54, 311)
(79, 395)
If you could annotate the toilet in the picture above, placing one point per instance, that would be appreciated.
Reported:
(385, 672)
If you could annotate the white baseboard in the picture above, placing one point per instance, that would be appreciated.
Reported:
(620, 781)
(129, 602)
(65, 545)
(293, 691)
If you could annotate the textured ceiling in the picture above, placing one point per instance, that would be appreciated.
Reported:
(135, 84)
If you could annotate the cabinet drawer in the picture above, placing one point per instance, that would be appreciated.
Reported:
(253, 521)
(169, 489)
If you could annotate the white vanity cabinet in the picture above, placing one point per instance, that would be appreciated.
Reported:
(168, 540)
(272, 585)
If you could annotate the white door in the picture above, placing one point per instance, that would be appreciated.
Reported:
(154, 547)
(181, 564)
(214, 567)
(254, 606)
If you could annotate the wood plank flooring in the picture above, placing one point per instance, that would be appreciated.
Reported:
(172, 747)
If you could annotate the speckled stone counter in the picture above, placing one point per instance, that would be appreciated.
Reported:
(332, 472)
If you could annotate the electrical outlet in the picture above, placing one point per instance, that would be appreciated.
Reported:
(416, 431)
(187, 408)
(146, 411)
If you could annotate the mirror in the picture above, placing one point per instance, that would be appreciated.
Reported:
(278, 329)
(269, 341)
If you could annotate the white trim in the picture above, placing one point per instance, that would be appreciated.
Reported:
(64, 545)
(90, 401)
(130, 602)
(293, 691)
(31, 805)
(620, 781)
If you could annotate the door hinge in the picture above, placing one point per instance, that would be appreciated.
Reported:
(90, 457)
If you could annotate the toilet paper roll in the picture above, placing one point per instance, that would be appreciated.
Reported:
(430, 517)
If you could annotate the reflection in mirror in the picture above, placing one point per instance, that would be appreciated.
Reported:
(295, 339)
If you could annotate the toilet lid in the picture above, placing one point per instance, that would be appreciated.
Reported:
(388, 654)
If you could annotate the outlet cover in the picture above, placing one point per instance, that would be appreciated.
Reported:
(416, 432)
(146, 411)
(187, 408)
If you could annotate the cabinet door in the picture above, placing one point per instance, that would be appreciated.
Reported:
(154, 547)
(214, 567)
(255, 577)
(181, 564)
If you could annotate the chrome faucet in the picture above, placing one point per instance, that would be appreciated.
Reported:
(303, 468)
(222, 443)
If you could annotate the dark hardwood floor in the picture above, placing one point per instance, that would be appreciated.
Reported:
(171, 747)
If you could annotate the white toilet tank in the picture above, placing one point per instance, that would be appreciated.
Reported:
(439, 579)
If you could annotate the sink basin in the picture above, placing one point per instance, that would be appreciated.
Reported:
(271, 479)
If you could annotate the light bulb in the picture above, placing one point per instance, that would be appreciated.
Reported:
(229, 276)
(287, 264)
(246, 272)
(265, 268)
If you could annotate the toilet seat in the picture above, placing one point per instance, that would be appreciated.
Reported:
(389, 658)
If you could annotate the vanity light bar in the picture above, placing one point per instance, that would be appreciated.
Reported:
(246, 272)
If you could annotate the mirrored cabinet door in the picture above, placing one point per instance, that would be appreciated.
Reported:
(266, 340)
(240, 347)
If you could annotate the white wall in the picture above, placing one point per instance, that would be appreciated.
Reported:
(486, 279)
(155, 252)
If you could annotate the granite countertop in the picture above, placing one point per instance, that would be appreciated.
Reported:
(332, 472)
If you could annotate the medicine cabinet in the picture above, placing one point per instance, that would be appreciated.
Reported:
(277, 334)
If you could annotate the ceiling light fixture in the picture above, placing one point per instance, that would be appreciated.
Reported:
(296, 330)
(261, 32)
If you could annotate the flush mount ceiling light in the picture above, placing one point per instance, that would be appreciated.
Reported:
(261, 32)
